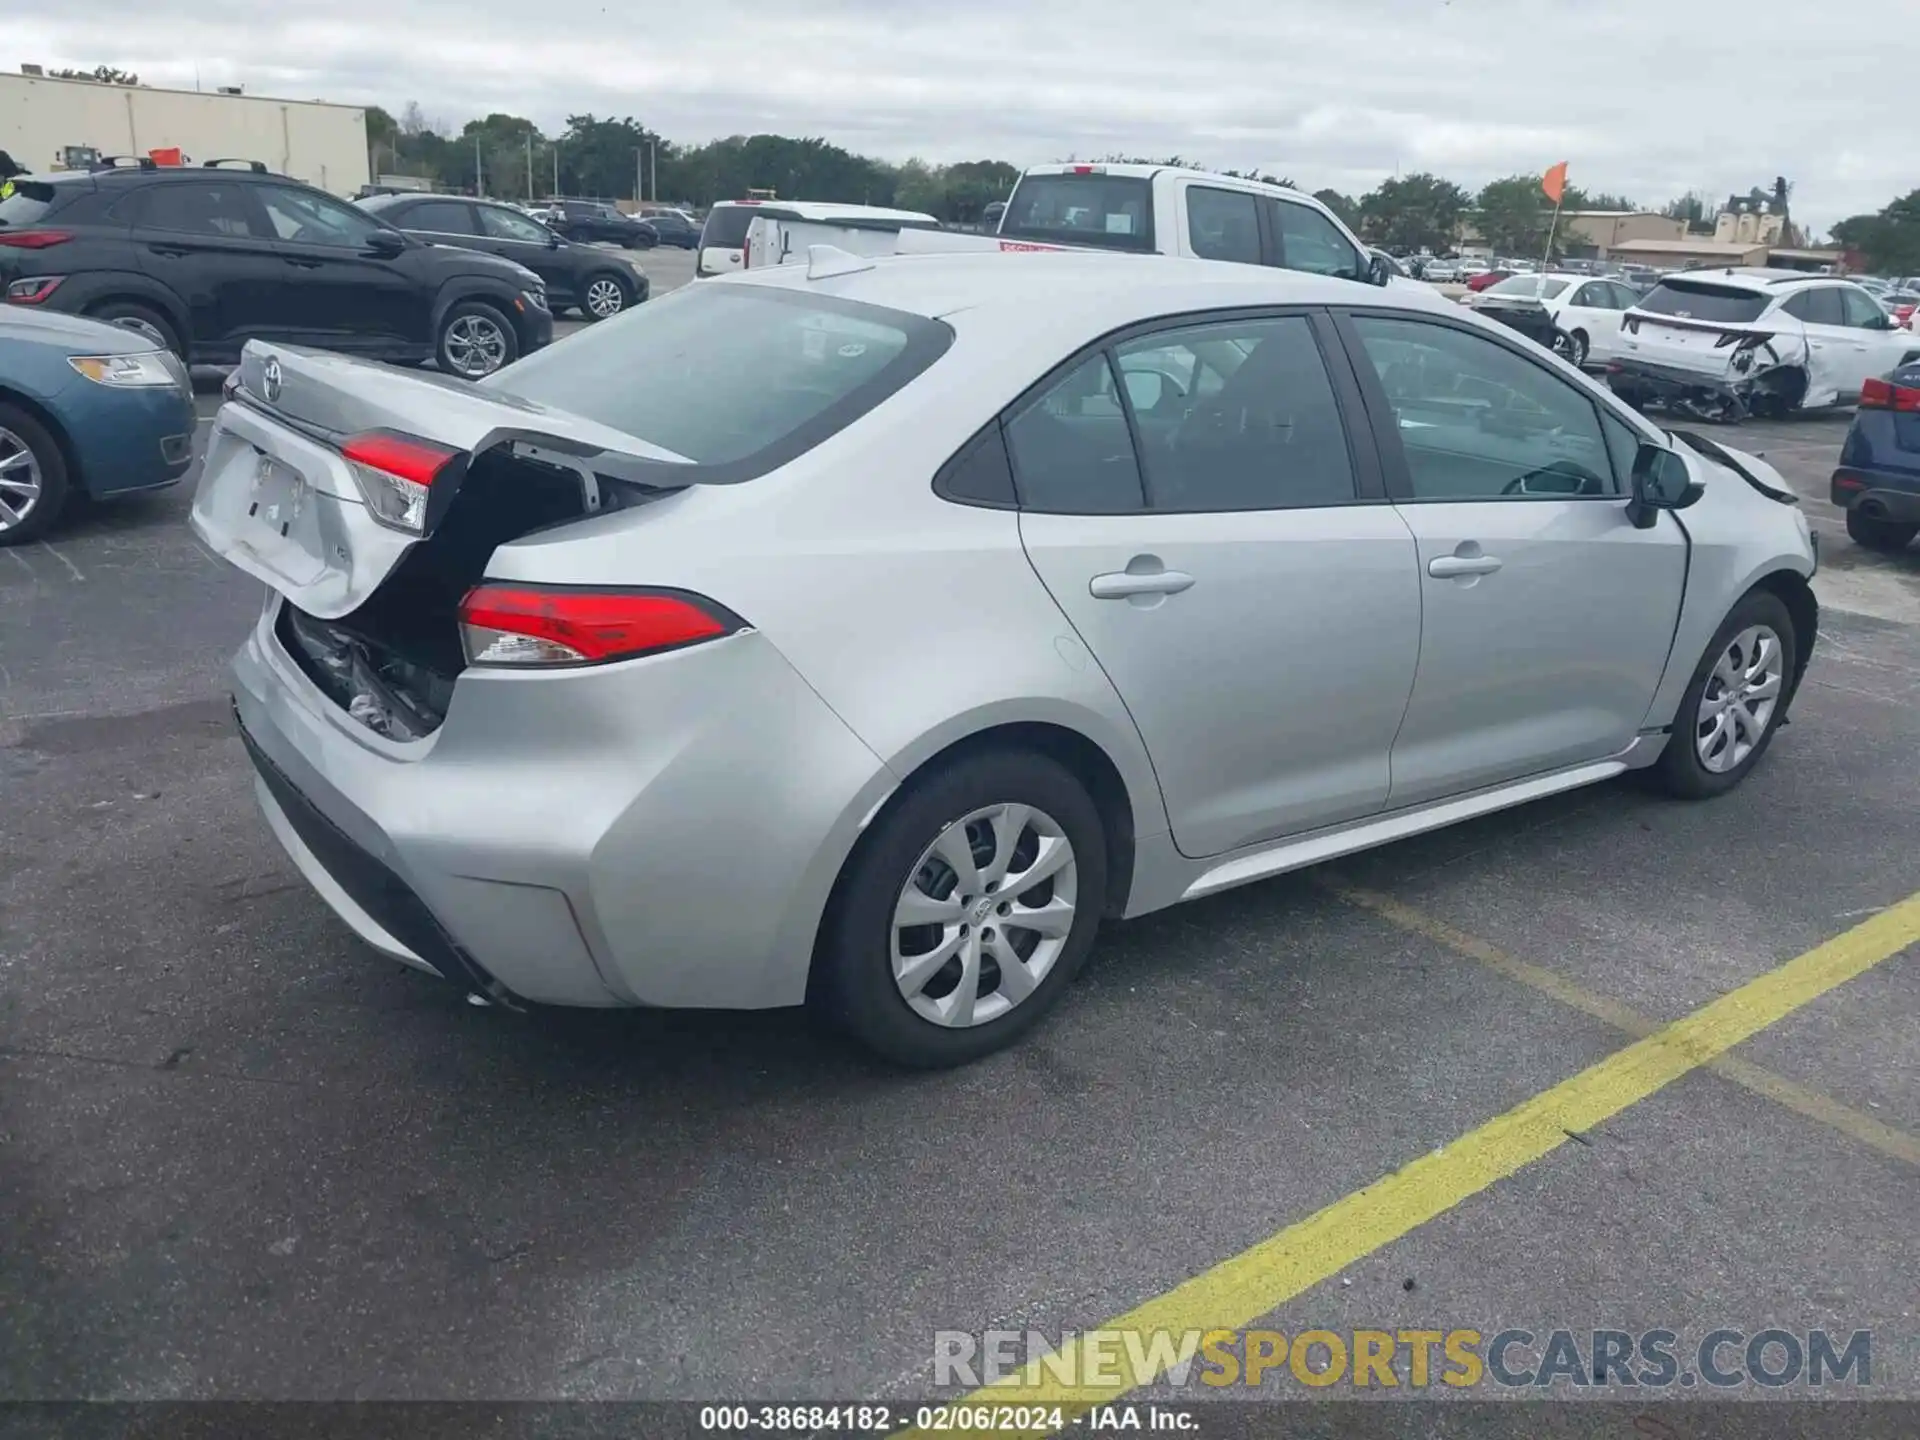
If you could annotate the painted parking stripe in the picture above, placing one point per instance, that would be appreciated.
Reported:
(1798, 1098)
(1238, 1291)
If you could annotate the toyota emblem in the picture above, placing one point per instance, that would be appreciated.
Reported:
(270, 380)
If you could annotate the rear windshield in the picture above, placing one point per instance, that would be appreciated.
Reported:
(1692, 300)
(738, 379)
(30, 200)
(1112, 211)
(726, 227)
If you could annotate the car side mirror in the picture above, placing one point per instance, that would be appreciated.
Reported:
(1145, 388)
(1661, 481)
(386, 243)
(1378, 271)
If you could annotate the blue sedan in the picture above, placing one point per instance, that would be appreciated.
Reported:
(1878, 480)
(86, 409)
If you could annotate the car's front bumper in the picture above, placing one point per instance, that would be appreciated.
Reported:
(127, 440)
(663, 831)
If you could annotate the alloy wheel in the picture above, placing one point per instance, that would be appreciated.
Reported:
(605, 297)
(1741, 694)
(144, 327)
(984, 915)
(20, 481)
(475, 345)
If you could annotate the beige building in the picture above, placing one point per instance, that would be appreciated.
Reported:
(42, 120)
(1604, 229)
(1678, 254)
(1747, 226)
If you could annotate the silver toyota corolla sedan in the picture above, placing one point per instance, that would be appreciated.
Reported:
(862, 633)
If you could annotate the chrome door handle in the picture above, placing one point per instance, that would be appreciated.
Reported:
(1123, 584)
(1448, 567)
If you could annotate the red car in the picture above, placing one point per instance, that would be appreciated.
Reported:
(1492, 277)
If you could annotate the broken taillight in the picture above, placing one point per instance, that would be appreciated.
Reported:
(395, 474)
(1886, 395)
(560, 625)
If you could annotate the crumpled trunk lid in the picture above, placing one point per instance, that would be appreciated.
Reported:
(277, 498)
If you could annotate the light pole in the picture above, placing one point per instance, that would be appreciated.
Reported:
(479, 177)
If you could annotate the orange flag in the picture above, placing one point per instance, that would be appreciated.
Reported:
(1554, 182)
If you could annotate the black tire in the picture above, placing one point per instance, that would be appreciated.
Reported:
(624, 284)
(141, 318)
(56, 490)
(853, 968)
(1873, 532)
(448, 346)
(1577, 348)
(1680, 770)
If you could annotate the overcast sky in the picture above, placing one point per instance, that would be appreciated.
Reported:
(1647, 97)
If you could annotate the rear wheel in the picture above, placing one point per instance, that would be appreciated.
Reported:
(33, 478)
(142, 320)
(965, 911)
(1732, 707)
(1872, 532)
(475, 340)
(604, 296)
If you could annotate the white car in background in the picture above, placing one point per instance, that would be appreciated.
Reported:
(1586, 311)
(1723, 344)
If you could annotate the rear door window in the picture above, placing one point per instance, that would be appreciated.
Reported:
(1267, 436)
(1697, 300)
(1817, 307)
(1223, 224)
(442, 217)
(1114, 212)
(201, 208)
(737, 380)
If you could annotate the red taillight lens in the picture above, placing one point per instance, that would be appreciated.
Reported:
(534, 625)
(395, 474)
(34, 239)
(1885, 395)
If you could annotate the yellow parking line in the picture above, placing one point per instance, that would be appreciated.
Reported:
(1860, 1126)
(1236, 1292)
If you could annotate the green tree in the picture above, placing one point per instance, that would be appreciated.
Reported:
(1890, 240)
(1577, 199)
(105, 74)
(1345, 206)
(1513, 215)
(1413, 212)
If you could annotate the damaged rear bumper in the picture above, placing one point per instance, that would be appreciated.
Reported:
(1732, 395)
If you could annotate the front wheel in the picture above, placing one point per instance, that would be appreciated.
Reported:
(604, 296)
(1871, 532)
(1731, 709)
(965, 911)
(475, 340)
(33, 478)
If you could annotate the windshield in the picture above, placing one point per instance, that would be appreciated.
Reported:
(29, 200)
(1532, 286)
(1111, 211)
(737, 379)
(726, 227)
(1692, 300)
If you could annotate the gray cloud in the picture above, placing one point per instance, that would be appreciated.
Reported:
(1643, 97)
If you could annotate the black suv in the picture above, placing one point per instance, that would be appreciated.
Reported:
(674, 227)
(591, 220)
(597, 282)
(206, 258)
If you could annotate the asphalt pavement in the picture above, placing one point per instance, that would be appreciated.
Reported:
(243, 1157)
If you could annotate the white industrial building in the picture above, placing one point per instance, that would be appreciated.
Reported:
(48, 124)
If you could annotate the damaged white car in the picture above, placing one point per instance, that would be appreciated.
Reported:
(1725, 344)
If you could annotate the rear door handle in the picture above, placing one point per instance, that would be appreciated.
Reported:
(1124, 584)
(1449, 567)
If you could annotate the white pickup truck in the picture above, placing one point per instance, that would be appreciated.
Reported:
(1155, 209)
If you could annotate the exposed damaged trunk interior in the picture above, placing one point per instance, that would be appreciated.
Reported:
(391, 664)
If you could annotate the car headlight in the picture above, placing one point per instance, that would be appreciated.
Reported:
(536, 298)
(148, 368)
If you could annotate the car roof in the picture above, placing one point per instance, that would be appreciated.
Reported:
(1105, 288)
(825, 210)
